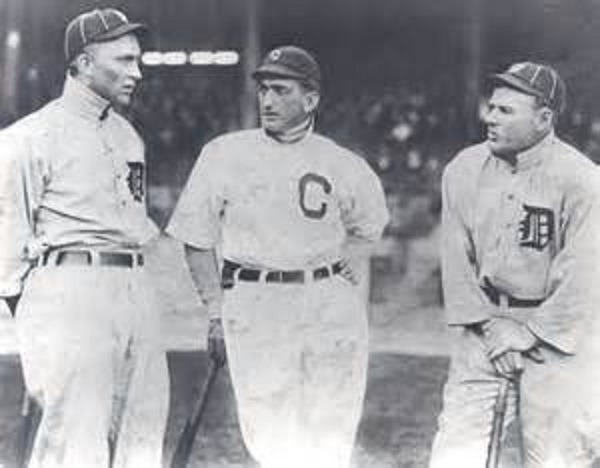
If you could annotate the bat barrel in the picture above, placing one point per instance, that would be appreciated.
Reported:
(185, 442)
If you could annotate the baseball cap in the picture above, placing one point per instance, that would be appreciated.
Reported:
(97, 26)
(290, 62)
(537, 80)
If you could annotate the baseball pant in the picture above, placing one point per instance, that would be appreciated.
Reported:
(298, 357)
(465, 424)
(92, 358)
(575, 435)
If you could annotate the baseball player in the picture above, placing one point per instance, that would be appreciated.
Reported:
(520, 258)
(282, 202)
(72, 223)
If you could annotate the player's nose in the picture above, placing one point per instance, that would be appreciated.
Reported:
(135, 71)
(490, 117)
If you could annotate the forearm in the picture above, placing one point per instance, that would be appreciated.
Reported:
(204, 269)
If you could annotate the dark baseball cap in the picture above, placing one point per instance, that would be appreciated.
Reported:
(98, 25)
(290, 62)
(537, 80)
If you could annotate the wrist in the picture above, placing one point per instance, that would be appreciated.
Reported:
(533, 339)
(214, 310)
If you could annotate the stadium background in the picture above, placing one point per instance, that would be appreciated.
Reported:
(404, 86)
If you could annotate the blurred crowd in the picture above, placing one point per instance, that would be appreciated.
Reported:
(406, 132)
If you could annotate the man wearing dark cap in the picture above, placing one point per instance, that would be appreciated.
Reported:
(519, 261)
(72, 225)
(282, 203)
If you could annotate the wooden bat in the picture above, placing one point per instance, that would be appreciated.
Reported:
(493, 453)
(185, 442)
(30, 417)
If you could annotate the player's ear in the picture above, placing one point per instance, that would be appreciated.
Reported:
(81, 63)
(546, 117)
(311, 101)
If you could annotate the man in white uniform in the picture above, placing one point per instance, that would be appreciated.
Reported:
(72, 223)
(520, 258)
(283, 202)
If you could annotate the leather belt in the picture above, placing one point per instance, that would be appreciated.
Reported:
(233, 271)
(92, 257)
(494, 297)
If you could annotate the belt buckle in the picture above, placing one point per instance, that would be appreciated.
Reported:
(322, 273)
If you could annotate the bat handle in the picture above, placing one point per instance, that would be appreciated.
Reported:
(493, 456)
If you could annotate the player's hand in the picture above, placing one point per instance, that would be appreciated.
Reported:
(509, 364)
(348, 272)
(12, 303)
(216, 342)
(502, 335)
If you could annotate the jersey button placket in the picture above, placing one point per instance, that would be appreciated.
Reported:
(108, 145)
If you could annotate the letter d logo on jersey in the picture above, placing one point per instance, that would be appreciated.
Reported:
(136, 179)
(536, 229)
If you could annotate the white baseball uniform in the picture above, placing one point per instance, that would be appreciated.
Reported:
(297, 349)
(520, 241)
(72, 222)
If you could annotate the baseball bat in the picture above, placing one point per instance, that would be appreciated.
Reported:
(186, 439)
(493, 453)
(30, 417)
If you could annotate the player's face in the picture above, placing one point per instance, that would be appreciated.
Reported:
(515, 121)
(284, 103)
(113, 70)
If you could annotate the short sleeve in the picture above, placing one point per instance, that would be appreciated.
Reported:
(196, 220)
(364, 211)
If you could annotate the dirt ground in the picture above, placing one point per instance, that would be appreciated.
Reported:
(403, 399)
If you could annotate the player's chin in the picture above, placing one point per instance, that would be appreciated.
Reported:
(272, 124)
(124, 99)
(496, 146)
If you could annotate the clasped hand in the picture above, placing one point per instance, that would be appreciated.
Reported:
(506, 340)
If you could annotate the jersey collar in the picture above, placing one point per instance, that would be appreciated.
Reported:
(81, 99)
(536, 154)
(294, 135)
(533, 156)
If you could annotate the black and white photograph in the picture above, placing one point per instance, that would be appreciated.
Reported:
(299, 234)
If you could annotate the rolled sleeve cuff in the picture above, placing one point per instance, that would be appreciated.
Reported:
(467, 316)
(182, 235)
(10, 288)
(563, 342)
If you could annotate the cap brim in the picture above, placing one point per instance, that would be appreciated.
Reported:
(138, 29)
(514, 82)
(275, 70)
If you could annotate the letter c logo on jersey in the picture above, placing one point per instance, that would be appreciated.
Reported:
(320, 183)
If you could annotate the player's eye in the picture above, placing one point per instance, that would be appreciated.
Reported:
(281, 90)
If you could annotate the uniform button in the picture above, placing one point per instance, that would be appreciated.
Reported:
(510, 196)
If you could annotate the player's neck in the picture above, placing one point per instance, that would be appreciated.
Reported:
(294, 134)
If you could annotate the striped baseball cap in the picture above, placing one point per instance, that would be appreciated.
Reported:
(97, 26)
(537, 80)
